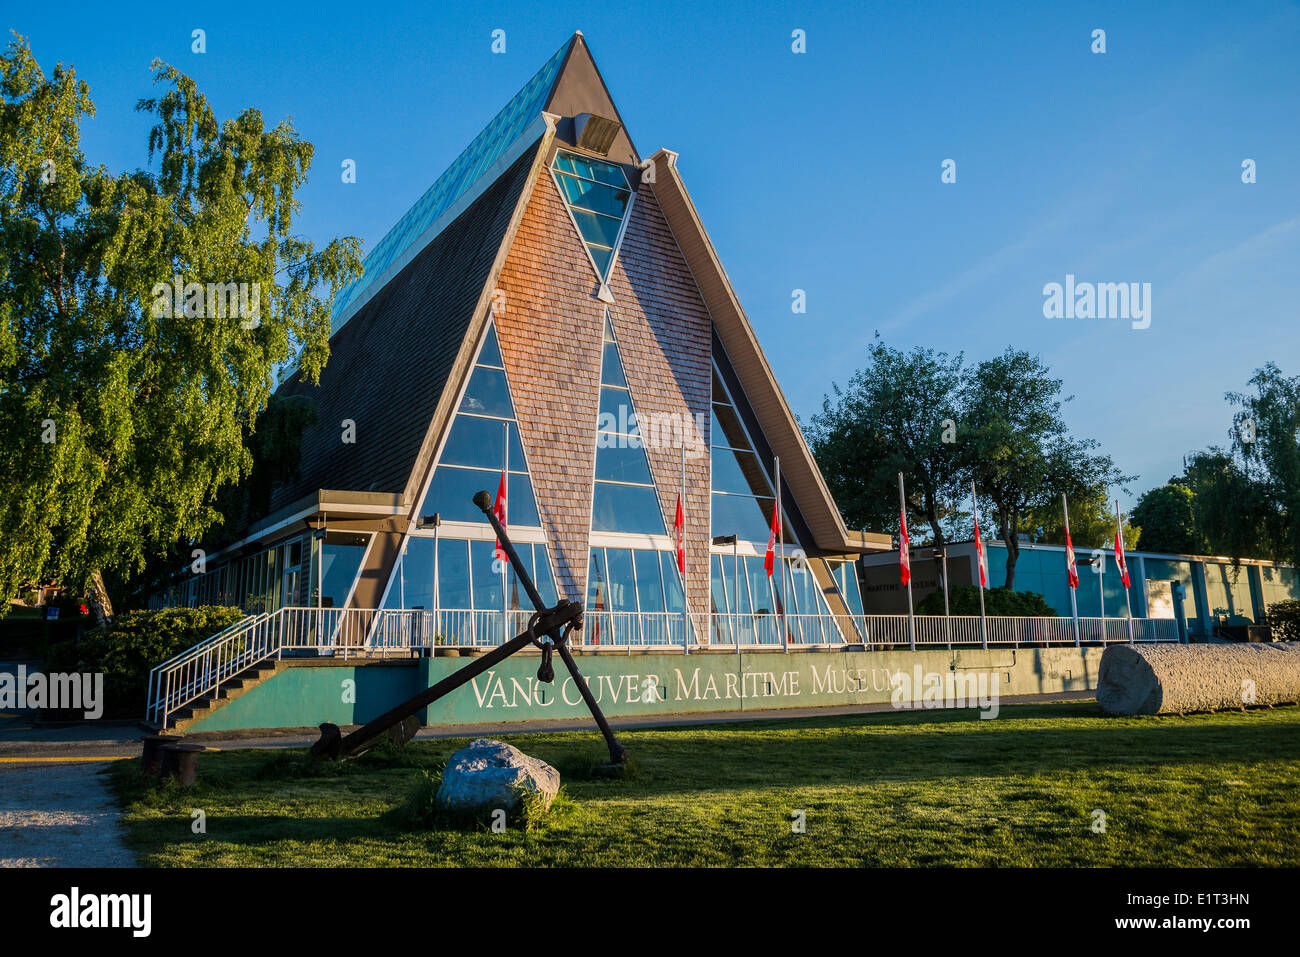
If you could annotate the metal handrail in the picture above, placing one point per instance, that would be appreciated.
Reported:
(204, 668)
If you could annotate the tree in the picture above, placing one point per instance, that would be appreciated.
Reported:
(1092, 522)
(142, 318)
(1016, 446)
(899, 414)
(1247, 496)
(1167, 516)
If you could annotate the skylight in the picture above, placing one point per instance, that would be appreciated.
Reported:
(597, 195)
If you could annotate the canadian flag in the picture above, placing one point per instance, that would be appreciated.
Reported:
(1119, 558)
(679, 534)
(904, 559)
(769, 560)
(499, 510)
(980, 557)
(1071, 570)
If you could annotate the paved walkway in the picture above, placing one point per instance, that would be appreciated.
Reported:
(59, 815)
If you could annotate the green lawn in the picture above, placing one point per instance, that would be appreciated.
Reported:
(906, 788)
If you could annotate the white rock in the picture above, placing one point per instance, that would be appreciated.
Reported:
(486, 775)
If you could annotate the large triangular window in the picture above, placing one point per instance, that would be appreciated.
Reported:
(598, 197)
(484, 440)
(624, 498)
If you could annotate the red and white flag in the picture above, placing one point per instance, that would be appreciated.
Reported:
(499, 510)
(980, 557)
(904, 557)
(679, 535)
(1119, 554)
(1071, 569)
(769, 560)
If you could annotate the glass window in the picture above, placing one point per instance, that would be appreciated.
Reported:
(543, 578)
(623, 465)
(602, 257)
(649, 587)
(340, 562)
(739, 473)
(597, 195)
(743, 515)
(592, 169)
(611, 367)
(616, 412)
(453, 574)
(846, 577)
(417, 574)
(487, 582)
(452, 492)
(487, 393)
(597, 230)
(626, 508)
(478, 442)
(490, 354)
(672, 581)
(620, 583)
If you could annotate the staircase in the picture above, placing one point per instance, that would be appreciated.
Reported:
(188, 715)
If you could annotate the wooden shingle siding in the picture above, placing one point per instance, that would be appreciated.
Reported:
(550, 335)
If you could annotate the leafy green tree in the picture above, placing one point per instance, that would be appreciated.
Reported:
(1092, 522)
(125, 407)
(1247, 496)
(1167, 517)
(1015, 444)
(899, 414)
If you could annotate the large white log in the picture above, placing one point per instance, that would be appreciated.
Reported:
(1178, 679)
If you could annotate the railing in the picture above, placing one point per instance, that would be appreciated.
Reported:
(201, 669)
(369, 632)
(1001, 630)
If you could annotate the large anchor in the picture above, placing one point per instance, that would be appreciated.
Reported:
(548, 629)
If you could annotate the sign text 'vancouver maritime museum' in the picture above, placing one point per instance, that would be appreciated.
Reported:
(549, 323)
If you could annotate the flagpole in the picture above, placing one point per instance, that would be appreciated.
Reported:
(1119, 540)
(686, 614)
(1069, 558)
(979, 561)
(902, 533)
(505, 471)
(780, 557)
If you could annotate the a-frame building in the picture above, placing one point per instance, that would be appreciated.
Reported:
(552, 308)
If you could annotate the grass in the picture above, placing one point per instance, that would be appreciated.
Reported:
(905, 788)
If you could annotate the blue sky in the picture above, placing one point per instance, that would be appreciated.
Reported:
(821, 171)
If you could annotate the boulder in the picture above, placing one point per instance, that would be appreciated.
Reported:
(486, 775)
(1179, 679)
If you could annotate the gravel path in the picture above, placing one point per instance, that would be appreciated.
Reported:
(59, 815)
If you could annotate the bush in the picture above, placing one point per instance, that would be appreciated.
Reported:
(1284, 619)
(132, 645)
(965, 600)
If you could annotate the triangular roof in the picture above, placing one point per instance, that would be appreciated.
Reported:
(405, 332)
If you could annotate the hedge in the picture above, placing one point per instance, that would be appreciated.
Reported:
(965, 600)
(132, 645)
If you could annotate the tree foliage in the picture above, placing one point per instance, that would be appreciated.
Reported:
(123, 414)
(1015, 444)
(1167, 516)
(1092, 522)
(891, 418)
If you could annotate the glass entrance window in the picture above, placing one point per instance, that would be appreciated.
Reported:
(643, 588)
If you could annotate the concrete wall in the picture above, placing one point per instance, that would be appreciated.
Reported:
(642, 684)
